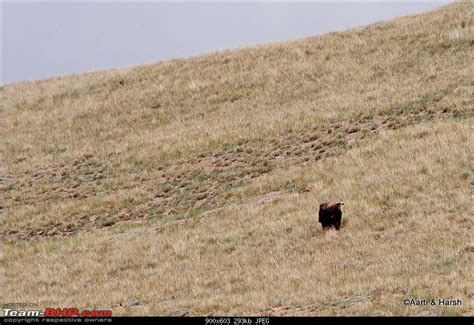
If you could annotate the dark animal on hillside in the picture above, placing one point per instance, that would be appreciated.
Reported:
(330, 215)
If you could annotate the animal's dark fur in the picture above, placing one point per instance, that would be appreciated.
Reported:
(330, 215)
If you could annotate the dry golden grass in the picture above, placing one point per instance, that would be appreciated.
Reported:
(407, 235)
(193, 185)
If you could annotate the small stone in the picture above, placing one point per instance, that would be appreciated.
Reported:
(347, 301)
(337, 302)
(131, 302)
(179, 312)
(357, 298)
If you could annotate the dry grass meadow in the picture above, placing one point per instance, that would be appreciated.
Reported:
(192, 185)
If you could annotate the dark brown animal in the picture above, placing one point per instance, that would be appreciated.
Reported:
(330, 215)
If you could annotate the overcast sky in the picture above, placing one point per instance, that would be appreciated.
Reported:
(40, 40)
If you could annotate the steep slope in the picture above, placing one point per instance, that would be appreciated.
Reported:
(199, 179)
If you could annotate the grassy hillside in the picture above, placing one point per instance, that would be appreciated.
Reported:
(193, 185)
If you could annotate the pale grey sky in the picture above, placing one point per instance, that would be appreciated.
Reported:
(40, 40)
